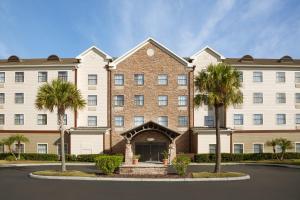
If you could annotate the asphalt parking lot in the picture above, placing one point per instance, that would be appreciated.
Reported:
(266, 183)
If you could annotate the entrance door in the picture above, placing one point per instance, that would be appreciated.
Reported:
(150, 151)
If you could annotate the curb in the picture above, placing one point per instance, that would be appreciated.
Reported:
(139, 179)
(46, 164)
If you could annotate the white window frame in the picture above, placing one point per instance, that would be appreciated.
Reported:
(209, 148)
(138, 101)
(119, 81)
(41, 77)
(182, 100)
(92, 116)
(261, 77)
(139, 79)
(263, 146)
(279, 77)
(262, 119)
(284, 119)
(162, 102)
(42, 119)
(3, 98)
(242, 145)
(92, 102)
(256, 97)
(15, 119)
(62, 75)
(91, 80)
(3, 119)
(164, 80)
(297, 101)
(212, 119)
(37, 148)
(123, 121)
(23, 98)
(23, 80)
(297, 76)
(243, 119)
(278, 95)
(296, 118)
(163, 117)
(141, 122)
(182, 81)
(2, 81)
(186, 118)
(22, 143)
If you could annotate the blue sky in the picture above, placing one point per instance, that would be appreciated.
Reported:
(38, 28)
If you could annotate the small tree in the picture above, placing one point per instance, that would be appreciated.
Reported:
(59, 95)
(19, 139)
(272, 143)
(9, 142)
(180, 163)
(284, 145)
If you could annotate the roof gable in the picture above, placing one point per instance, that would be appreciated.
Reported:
(142, 44)
(97, 50)
(207, 48)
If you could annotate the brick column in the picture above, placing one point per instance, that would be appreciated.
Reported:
(128, 154)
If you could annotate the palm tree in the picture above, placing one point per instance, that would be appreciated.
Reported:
(284, 145)
(272, 143)
(59, 95)
(19, 139)
(218, 86)
(9, 142)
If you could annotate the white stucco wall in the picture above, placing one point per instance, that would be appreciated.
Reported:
(201, 61)
(269, 87)
(86, 143)
(204, 140)
(93, 63)
(29, 87)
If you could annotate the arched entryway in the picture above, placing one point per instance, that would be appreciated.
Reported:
(149, 141)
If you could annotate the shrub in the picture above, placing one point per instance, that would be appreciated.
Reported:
(70, 157)
(10, 158)
(87, 157)
(227, 157)
(108, 163)
(4, 155)
(180, 163)
(38, 156)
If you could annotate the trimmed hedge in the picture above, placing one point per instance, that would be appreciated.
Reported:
(227, 157)
(108, 163)
(32, 156)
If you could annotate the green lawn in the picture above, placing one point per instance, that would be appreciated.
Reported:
(286, 162)
(67, 173)
(216, 175)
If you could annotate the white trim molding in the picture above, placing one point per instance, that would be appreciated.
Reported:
(99, 51)
(211, 49)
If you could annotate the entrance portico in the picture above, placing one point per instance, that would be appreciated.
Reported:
(149, 140)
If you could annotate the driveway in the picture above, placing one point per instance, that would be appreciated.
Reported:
(266, 183)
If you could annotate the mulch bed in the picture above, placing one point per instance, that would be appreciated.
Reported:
(170, 175)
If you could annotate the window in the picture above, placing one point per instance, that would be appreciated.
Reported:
(297, 97)
(278, 149)
(42, 148)
(212, 148)
(257, 77)
(19, 77)
(92, 79)
(65, 120)
(119, 100)
(19, 98)
(139, 79)
(2, 119)
(297, 77)
(162, 100)
(20, 148)
(238, 119)
(1, 148)
(209, 121)
(42, 77)
(63, 75)
(258, 98)
(280, 98)
(258, 119)
(258, 148)
(2, 98)
(182, 121)
(241, 77)
(65, 148)
(92, 120)
(119, 121)
(297, 147)
(163, 120)
(281, 119)
(138, 120)
(182, 79)
(182, 101)
(297, 119)
(238, 148)
(19, 119)
(2, 77)
(92, 100)
(139, 100)
(162, 79)
(42, 119)
(119, 79)
(280, 77)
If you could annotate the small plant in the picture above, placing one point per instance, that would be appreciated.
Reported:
(10, 158)
(180, 163)
(108, 164)
(165, 155)
(283, 143)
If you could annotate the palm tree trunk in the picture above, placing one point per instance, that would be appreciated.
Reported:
(62, 142)
(19, 150)
(12, 153)
(218, 141)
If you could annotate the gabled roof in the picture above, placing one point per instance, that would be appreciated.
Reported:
(159, 45)
(99, 51)
(211, 49)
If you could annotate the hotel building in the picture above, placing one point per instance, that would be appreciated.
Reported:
(145, 98)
